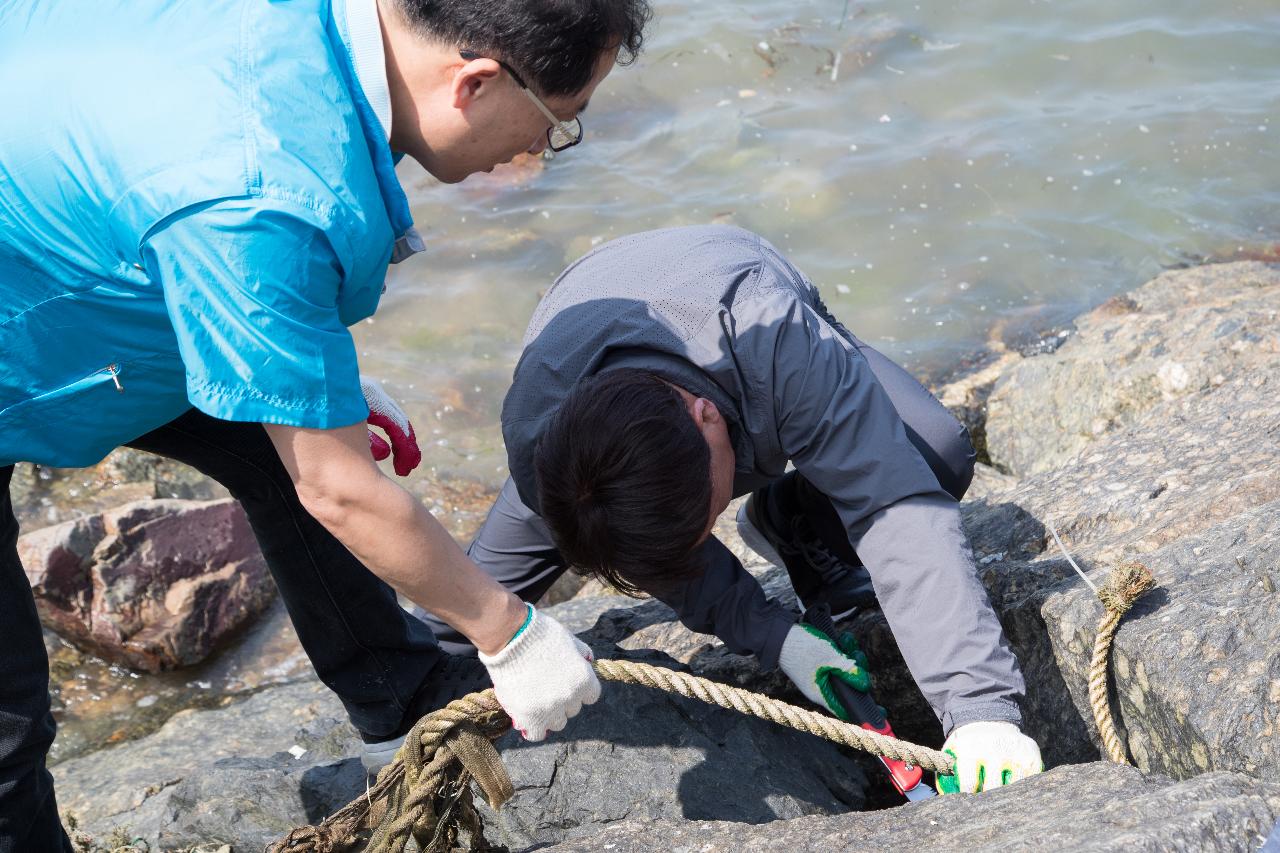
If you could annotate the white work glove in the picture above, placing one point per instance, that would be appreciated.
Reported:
(989, 755)
(386, 415)
(811, 660)
(543, 676)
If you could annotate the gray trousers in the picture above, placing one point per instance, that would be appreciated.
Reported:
(515, 548)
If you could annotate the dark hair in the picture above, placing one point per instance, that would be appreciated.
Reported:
(554, 44)
(624, 481)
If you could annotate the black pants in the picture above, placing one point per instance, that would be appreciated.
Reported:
(371, 653)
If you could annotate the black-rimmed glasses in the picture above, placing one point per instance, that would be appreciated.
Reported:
(561, 134)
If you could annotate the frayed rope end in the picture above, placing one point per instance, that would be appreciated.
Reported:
(1124, 586)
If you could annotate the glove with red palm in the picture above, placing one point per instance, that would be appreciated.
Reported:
(386, 415)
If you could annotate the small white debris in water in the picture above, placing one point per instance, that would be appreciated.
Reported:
(724, 102)
(889, 67)
(746, 93)
(983, 259)
(764, 45)
(1144, 128)
(1048, 179)
(964, 285)
(968, 162)
(930, 46)
(1088, 173)
(546, 214)
(1116, 182)
(1061, 57)
(853, 147)
(842, 288)
(147, 701)
(297, 752)
(884, 119)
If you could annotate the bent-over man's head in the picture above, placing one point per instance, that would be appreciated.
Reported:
(476, 82)
(632, 473)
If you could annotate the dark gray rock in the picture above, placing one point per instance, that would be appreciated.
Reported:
(647, 755)
(1180, 334)
(1189, 489)
(223, 775)
(226, 775)
(1095, 807)
(1185, 482)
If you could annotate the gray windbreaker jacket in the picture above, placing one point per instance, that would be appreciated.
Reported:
(720, 312)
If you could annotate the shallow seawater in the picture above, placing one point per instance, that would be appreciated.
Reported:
(952, 175)
(948, 173)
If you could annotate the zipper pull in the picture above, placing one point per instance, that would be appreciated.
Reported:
(114, 370)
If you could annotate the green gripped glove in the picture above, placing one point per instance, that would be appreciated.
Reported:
(988, 755)
(811, 661)
(848, 644)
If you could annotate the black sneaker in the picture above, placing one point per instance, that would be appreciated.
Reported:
(452, 678)
(818, 576)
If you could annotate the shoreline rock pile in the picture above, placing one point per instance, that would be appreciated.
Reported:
(1150, 434)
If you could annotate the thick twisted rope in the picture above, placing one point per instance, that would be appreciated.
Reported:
(425, 793)
(1118, 594)
(775, 711)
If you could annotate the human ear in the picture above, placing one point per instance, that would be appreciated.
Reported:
(471, 78)
(705, 412)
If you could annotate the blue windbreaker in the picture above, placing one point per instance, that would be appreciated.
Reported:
(196, 200)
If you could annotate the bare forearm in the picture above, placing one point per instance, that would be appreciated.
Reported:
(390, 531)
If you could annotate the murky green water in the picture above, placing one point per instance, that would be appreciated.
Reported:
(946, 172)
(949, 173)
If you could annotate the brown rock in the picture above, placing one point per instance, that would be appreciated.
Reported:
(153, 584)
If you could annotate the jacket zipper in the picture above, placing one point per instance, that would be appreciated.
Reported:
(114, 371)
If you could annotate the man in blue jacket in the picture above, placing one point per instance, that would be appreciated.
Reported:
(196, 201)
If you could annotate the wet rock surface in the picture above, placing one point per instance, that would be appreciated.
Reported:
(154, 585)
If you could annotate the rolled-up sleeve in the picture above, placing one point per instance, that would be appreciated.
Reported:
(841, 431)
(252, 288)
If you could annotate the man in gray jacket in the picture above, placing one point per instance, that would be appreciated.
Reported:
(666, 373)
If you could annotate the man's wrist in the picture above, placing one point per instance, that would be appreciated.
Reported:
(988, 711)
(507, 619)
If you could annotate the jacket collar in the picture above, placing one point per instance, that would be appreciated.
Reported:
(365, 91)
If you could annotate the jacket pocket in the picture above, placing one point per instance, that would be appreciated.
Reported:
(79, 423)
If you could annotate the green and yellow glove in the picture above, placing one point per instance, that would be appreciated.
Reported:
(989, 755)
(811, 661)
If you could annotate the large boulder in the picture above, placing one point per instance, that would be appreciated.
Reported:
(1187, 483)
(644, 754)
(1092, 807)
(154, 585)
(1179, 335)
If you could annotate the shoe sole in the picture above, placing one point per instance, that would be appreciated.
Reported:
(756, 541)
